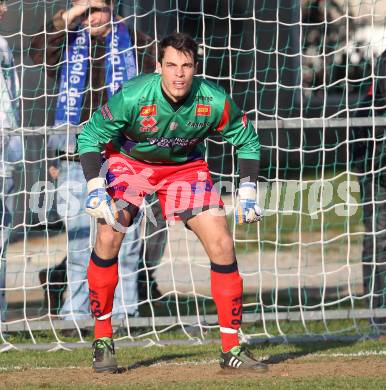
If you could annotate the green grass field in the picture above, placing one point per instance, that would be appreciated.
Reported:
(320, 365)
(293, 366)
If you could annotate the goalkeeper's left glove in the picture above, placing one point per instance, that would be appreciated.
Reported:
(247, 211)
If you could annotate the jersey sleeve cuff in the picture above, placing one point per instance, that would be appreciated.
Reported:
(88, 150)
(248, 155)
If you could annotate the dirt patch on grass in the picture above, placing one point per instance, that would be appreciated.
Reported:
(188, 373)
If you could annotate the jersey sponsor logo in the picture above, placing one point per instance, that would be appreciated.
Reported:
(173, 125)
(204, 98)
(106, 113)
(148, 122)
(197, 125)
(203, 110)
(117, 169)
(202, 175)
(148, 129)
(163, 142)
(244, 120)
(200, 187)
(148, 110)
(148, 125)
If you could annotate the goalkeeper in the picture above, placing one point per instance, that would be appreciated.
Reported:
(152, 132)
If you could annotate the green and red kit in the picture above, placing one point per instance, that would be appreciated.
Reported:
(138, 122)
(151, 147)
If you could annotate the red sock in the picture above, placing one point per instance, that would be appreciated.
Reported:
(102, 279)
(227, 293)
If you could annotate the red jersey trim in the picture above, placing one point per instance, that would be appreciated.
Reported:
(370, 92)
(224, 117)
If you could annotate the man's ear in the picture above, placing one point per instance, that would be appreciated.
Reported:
(195, 67)
(158, 68)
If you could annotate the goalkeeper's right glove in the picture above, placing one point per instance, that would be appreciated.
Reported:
(99, 203)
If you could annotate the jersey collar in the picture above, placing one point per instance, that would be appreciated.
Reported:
(189, 101)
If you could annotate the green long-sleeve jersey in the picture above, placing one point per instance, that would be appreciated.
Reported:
(139, 123)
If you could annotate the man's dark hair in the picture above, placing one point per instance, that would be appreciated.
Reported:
(180, 41)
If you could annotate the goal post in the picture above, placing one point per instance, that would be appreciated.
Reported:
(303, 72)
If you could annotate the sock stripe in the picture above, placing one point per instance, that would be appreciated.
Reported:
(104, 263)
(228, 330)
(104, 317)
(224, 269)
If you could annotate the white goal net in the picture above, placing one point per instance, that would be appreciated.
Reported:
(311, 76)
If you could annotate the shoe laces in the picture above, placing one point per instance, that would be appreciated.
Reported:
(101, 344)
(238, 350)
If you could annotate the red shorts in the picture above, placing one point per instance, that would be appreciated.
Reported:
(183, 190)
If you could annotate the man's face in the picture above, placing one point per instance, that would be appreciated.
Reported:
(3, 9)
(177, 70)
(98, 20)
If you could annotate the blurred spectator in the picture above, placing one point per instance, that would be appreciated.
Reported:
(368, 158)
(55, 286)
(10, 150)
(153, 247)
(323, 63)
(102, 56)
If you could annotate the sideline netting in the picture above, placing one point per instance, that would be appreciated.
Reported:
(300, 71)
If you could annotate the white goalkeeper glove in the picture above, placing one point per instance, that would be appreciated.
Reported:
(247, 211)
(99, 203)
